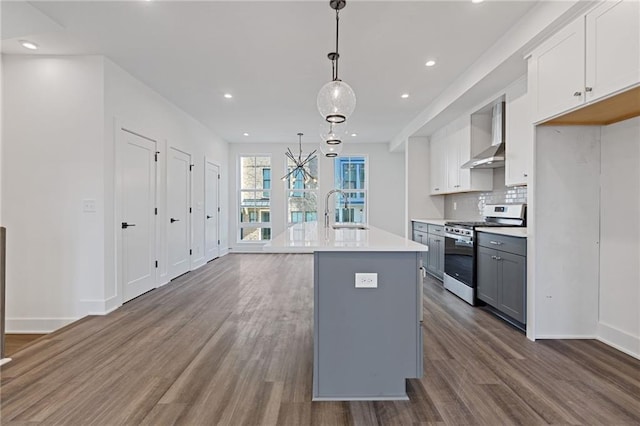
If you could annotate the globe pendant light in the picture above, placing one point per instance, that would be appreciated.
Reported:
(336, 99)
(329, 150)
(331, 145)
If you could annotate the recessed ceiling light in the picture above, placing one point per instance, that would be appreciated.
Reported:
(228, 95)
(404, 96)
(245, 134)
(430, 63)
(29, 45)
(353, 135)
(477, 1)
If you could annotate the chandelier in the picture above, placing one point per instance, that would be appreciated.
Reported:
(336, 100)
(300, 169)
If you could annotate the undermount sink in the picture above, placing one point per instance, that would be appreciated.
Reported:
(350, 226)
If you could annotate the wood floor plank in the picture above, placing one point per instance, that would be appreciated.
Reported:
(232, 343)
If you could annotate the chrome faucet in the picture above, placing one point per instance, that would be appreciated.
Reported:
(326, 204)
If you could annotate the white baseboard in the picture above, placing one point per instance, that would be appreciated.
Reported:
(4, 361)
(621, 340)
(36, 325)
(99, 307)
(224, 252)
(565, 336)
(111, 304)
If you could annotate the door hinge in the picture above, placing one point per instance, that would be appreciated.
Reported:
(156, 263)
(191, 167)
(155, 156)
(218, 175)
(218, 242)
(155, 211)
(218, 209)
(190, 252)
(189, 209)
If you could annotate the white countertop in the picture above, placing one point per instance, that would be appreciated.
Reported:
(310, 237)
(509, 231)
(431, 221)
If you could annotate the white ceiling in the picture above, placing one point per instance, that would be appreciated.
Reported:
(272, 55)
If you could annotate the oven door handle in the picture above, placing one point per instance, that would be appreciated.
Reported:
(462, 238)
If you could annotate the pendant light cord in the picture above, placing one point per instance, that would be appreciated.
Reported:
(335, 78)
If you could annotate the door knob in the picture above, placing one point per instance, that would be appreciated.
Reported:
(209, 217)
(577, 94)
(125, 225)
(174, 220)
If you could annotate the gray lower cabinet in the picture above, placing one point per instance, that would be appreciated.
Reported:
(432, 236)
(502, 275)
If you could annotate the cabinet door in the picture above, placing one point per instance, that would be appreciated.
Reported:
(464, 155)
(453, 161)
(432, 256)
(559, 72)
(439, 255)
(613, 47)
(519, 134)
(512, 274)
(438, 166)
(487, 276)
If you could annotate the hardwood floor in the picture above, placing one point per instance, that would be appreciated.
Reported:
(16, 342)
(231, 343)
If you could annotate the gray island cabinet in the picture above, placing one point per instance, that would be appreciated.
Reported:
(367, 310)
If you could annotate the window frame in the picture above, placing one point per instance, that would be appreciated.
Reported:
(365, 190)
(264, 191)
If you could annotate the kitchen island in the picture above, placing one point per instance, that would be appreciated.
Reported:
(367, 310)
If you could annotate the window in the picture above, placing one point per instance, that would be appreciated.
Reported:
(254, 198)
(301, 195)
(350, 175)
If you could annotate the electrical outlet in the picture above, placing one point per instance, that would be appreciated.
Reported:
(366, 280)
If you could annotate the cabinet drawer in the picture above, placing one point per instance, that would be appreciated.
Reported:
(515, 245)
(420, 237)
(419, 226)
(435, 229)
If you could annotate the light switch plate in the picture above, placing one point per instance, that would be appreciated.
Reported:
(366, 280)
(89, 205)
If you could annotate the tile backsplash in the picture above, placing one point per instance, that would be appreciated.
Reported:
(469, 205)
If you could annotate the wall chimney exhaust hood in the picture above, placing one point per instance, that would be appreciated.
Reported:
(492, 157)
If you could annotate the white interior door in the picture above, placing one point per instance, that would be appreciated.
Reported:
(178, 209)
(211, 206)
(138, 177)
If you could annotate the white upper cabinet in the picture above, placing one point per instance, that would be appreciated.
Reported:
(595, 56)
(558, 71)
(438, 164)
(451, 147)
(519, 134)
(613, 48)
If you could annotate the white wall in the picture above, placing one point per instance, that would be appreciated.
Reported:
(420, 204)
(619, 319)
(59, 117)
(386, 185)
(52, 160)
(131, 104)
(566, 233)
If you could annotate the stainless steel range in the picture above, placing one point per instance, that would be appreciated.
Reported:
(460, 247)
